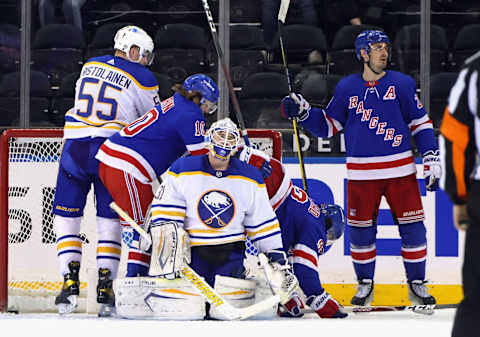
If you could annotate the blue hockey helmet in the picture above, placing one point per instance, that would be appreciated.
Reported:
(206, 87)
(368, 37)
(334, 222)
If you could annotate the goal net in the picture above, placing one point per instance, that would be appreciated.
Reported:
(29, 273)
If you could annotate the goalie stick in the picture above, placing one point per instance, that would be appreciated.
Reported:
(221, 59)
(282, 14)
(202, 287)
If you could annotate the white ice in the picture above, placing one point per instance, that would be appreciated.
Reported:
(377, 324)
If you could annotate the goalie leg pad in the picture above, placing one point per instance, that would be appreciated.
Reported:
(157, 298)
(170, 249)
(239, 293)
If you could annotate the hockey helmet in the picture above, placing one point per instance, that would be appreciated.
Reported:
(129, 36)
(365, 40)
(223, 138)
(206, 87)
(334, 222)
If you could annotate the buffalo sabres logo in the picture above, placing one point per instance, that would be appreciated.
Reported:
(216, 208)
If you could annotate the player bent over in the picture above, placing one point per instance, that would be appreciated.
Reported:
(131, 160)
(111, 92)
(216, 199)
(380, 111)
(308, 231)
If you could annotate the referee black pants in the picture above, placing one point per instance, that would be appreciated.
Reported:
(466, 323)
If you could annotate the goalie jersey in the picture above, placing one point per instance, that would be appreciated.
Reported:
(110, 93)
(217, 207)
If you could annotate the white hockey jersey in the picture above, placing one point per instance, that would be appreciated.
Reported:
(218, 207)
(110, 93)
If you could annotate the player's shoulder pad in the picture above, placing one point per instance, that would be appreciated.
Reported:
(187, 164)
(401, 78)
(189, 110)
(347, 81)
(143, 77)
(241, 168)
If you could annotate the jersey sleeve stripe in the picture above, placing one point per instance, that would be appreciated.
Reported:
(263, 230)
(167, 206)
(264, 237)
(124, 72)
(168, 213)
(457, 133)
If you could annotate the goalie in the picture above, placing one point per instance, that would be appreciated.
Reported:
(212, 201)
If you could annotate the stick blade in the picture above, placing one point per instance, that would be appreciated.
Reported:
(282, 13)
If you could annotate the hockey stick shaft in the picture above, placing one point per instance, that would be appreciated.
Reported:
(383, 308)
(202, 287)
(226, 73)
(282, 14)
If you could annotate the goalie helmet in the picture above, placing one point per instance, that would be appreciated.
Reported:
(365, 40)
(334, 222)
(129, 36)
(223, 138)
(206, 87)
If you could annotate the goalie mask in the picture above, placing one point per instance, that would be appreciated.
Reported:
(130, 36)
(206, 87)
(334, 222)
(223, 138)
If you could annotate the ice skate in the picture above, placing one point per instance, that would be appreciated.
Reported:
(105, 295)
(418, 295)
(66, 301)
(364, 295)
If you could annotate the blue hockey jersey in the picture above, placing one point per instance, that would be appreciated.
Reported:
(150, 144)
(378, 119)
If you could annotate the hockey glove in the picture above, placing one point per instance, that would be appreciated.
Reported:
(293, 308)
(326, 306)
(432, 170)
(296, 107)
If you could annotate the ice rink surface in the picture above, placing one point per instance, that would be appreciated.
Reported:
(384, 324)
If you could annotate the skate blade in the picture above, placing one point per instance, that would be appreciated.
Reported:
(68, 308)
(106, 311)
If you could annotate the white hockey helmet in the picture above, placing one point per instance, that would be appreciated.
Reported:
(223, 138)
(129, 36)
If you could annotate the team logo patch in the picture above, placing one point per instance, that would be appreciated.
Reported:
(216, 209)
(320, 246)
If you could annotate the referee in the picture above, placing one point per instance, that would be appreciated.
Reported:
(460, 140)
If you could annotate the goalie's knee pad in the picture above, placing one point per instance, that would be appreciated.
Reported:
(239, 293)
(157, 298)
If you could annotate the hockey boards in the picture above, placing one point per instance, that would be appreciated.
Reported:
(203, 288)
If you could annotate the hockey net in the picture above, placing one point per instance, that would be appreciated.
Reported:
(29, 273)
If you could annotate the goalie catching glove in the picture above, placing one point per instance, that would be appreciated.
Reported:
(170, 249)
(279, 274)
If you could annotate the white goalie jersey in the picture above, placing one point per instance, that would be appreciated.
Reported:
(217, 207)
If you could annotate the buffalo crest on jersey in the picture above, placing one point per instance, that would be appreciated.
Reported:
(216, 208)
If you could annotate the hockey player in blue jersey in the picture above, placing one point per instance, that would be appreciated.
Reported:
(111, 92)
(379, 111)
(308, 231)
(132, 159)
(217, 200)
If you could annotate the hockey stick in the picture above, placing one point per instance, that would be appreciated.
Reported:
(202, 287)
(420, 309)
(221, 59)
(282, 14)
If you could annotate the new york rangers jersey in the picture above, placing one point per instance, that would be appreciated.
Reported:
(301, 222)
(110, 93)
(150, 144)
(378, 119)
(217, 207)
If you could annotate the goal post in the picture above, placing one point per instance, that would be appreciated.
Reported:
(29, 273)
